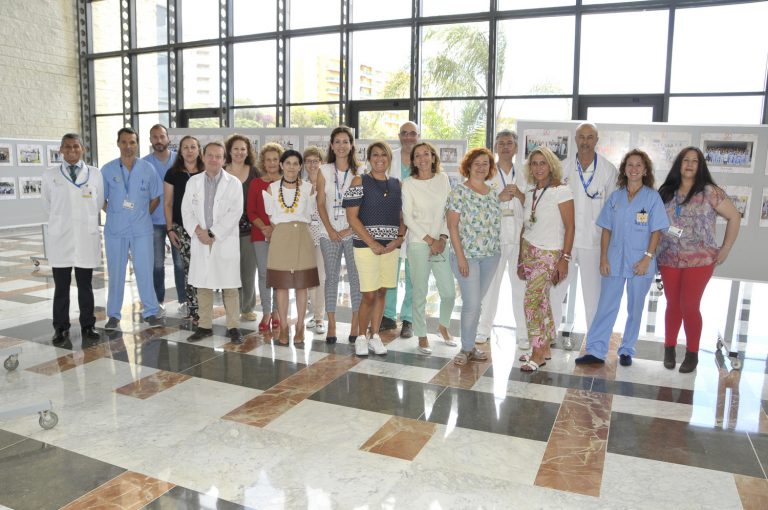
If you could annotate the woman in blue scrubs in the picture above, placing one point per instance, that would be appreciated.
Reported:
(632, 219)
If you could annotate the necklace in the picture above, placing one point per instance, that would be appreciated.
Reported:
(386, 185)
(535, 202)
(289, 208)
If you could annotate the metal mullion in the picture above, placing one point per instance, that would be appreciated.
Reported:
(344, 61)
(490, 114)
(533, 96)
(174, 76)
(87, 128)
(283, 74)
(668, 69)
(126, 67)
(224, 74)
(230, 78)
(576, 61)
(413, 104)
(715, 94)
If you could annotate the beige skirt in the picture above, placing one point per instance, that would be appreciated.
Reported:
(291, 261)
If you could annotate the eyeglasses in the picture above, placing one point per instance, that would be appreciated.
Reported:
(409, 133)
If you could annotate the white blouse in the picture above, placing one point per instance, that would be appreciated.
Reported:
(304, 210)
(424, 207)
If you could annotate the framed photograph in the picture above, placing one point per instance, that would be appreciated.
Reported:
(557, 140)
(729, 152)
(612, 145)
(449, 155)
(6, 154)
(28, 154)
(764, 209)
(287, 141)
(663, 148)
(30, 187)
(320, 141)
(7, 188)
(740, 196)
(54, 156)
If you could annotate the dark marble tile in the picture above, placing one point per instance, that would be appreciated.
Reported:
(171, 356)
(39, 331)
(760, 443)
(649, 391)
(8, 439)
(545, 378)
(652, 350)
(180, 498)
(250, 371)
(38, 476)
(379, 394)
(24, 298)
(518, 417)
(402, 358)
(680, 443)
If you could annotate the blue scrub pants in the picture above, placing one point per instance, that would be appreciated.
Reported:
(390, 305)
(611, 290)
(141, 249)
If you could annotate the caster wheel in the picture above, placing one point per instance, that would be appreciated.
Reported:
(48, 419)
(11, 363)
(736, 364)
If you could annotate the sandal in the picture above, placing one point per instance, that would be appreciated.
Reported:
(476, 355)
(424, 349)
(449, 341)
(524, 357)
(531, 366)
(461, 359)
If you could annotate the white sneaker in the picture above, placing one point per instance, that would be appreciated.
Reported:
(361, 346)
(319, 328)
(161, 311)
(481, 339)
(311, 324)
(523, 343)
(376, 345)
(183, 309)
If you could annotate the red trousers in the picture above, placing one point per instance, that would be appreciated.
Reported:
(683, 288)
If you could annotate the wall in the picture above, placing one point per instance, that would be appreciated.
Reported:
(39, 69)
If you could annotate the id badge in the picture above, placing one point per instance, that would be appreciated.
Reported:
(641, 218)
(87, 193)
(529, 224)
(675, 231)
(507, 212)
(127, 204)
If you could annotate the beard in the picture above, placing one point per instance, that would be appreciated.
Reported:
(160, 147)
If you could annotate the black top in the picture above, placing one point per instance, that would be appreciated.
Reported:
(245, 225)
(380, 203)
(177, 179)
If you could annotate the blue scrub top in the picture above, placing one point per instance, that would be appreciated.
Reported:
(631, 225)
(158, 217)
(142, 185)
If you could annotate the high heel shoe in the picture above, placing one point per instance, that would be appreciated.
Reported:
(275, 323)
(283, 337)
(447, 337)
(265, 324)
(298, 336)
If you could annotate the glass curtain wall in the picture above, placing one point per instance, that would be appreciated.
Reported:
(466, 68)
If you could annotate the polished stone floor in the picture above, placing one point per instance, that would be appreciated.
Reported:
(148, 420)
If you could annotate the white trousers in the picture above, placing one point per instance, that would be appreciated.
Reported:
(508, 263)
(587, 263)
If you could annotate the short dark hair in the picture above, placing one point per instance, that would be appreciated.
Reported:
(215, 143)
(291, 153)
(159, 126)
(72, 136)
(128, 130)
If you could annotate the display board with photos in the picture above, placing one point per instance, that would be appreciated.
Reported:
(450, 151)
(22, 162)
(736, 157)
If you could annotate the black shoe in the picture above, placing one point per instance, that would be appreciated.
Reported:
(154, 321)
(112, 324)
(689, 363)
(352, 339)
(235, 336)
(91, 334)
(669, 358)
(407, 330)
(199, 334)
(60, 336)
(588, 359)
(625, 360)
(387, 324)
(330, 339)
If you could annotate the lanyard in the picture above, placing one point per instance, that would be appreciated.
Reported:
(336, 180)
(678, 206)
(126, 178)
(581, 176)
(535, 202)
(69, 179)
(503, 180)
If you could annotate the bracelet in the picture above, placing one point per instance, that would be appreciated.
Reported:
(566, 256)
(443, 236)
(649, 254)
(168, 230)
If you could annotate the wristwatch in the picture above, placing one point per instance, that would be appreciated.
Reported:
(210, 234)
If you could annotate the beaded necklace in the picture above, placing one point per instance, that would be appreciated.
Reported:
(289, 208)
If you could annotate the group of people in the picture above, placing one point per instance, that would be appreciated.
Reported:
(283, 220)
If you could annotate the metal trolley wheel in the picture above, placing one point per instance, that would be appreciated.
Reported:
(11, 362)
(48, 419)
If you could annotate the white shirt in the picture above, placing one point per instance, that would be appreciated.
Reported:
(73, 210)
(512, 210)
(424, 207)
(304, 209)
(335, 187)
(548, 231)
(586, 209)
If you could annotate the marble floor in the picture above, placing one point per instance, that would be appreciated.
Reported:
(148, 420)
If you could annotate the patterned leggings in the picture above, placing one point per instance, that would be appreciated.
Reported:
(184, 252)
(332, 252)
(538, 266)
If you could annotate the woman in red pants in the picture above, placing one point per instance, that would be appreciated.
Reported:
(689, 251)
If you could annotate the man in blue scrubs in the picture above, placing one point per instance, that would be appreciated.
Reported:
(132, 191)
(162, 159)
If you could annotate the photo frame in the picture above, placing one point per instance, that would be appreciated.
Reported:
(28, 154)
(6, 154)
(7, 188)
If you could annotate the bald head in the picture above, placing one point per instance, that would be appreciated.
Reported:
(409, 136)
(586, 140)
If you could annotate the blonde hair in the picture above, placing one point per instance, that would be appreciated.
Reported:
(269, 147)
(555, 168)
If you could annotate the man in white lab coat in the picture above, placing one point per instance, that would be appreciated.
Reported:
(211, 210)
(73, 195)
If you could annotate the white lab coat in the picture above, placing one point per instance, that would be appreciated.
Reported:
(72, 210)
(216, 266)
